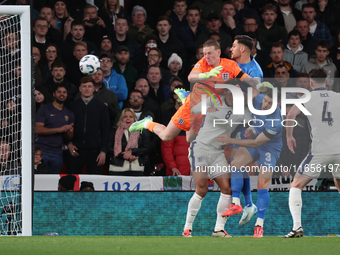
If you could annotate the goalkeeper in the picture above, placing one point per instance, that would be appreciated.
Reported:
(210, 66)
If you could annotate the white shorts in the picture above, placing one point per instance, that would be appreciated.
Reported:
(213, 159)
(314, 166)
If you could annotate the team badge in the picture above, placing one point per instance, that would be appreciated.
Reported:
(197, 65)
(225, 76)
(66, 118)
(180, 121)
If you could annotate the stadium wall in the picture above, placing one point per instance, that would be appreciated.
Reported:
(164, 213)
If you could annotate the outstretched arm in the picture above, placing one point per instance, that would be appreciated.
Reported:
(260, 139)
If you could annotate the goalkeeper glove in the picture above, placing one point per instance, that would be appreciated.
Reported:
(212, 73)
(264, 86)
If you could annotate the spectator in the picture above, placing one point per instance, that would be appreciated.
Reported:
(168, 43)
(298, 4)
(192, 61)
(123, 67)
(170, 103)
(309, 42)
(141, 63)
(175, 64)
(138, 29)
(175, 152)
(251, 25)
(37, 71)
(60, 15)
(294, 54)
(143, 86)
(113, 81)
(7, 166)
(287, 16)
(229, 25)
(277, 54)
(127, 151)
(188, 34)
(155, 57)
(282, 80)
(51, 55)
(76, 35)
(322, 60)
(104, 95)
(86, 186)
(207, 7)
(122, 39)
(66, 183)
(54, 123)
(136, 103)
(91, 131)
(39, 166)
(214, 25)
(302, 81)
(53, 34)
(58, 78)
(243, 11)
(95, 27)
(106, 46)
(42, 96)
(328, 13)
(318, 29)
(40, 28)
(177, 16)
(335, 51)
(73, 73)
(111, 11)
(159, 91)
(270, 30)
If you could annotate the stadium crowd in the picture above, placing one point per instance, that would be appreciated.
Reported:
(146, 49)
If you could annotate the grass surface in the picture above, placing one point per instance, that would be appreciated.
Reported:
(168, 245)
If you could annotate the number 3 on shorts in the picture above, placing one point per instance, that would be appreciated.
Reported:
(268, 157)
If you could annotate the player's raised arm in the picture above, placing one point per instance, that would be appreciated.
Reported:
(291, 143)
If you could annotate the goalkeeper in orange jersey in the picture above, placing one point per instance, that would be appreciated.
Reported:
(210, 66)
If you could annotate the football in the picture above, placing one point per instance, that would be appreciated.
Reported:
(89, 64)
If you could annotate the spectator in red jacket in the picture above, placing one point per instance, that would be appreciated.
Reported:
(175, 152)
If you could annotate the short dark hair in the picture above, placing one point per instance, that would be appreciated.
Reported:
(193, 7)
(269, 7)
(318, 74)
(156, 49)
(281, 66)
(323, 44)
(80, 43)
(178, 1)
(228, 2)
(58, 64)
(154, 65)
(308, 5)
(136, 91)
(77, 23)
(40, 18)
(164, 17)
(277, 45)
(88, 6)
(294, 32)
(60, 85)
(303, 75)
(251, 17)
(86, 79)
(245, 40)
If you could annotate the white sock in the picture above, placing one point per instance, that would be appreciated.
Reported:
(259, 222)
(236, 201)
(193, 208)
(222, 206)
(145, 124)
(295, 206)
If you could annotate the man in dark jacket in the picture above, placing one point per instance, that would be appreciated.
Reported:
(91, 131)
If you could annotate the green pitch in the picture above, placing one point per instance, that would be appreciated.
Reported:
(168, 245)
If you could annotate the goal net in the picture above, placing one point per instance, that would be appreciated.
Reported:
(15, 126)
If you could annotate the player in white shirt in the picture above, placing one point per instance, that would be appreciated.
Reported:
(324, 124)
(207, 159)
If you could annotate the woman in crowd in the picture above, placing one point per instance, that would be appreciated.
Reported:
(60, 15)
(112, 10)
(127, 151)
(51, 55)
